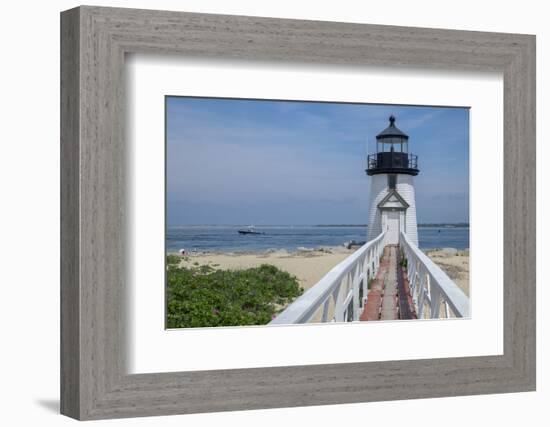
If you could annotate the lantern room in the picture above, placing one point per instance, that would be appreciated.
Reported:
(392, 153)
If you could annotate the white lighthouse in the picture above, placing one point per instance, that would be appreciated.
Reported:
(392, 197)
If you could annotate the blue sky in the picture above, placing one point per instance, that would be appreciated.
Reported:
(280, 162)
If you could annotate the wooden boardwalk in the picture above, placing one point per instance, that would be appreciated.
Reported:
(389, 296)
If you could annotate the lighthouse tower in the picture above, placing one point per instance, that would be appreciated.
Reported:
(392, 198)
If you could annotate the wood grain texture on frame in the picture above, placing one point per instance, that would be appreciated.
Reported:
(94, 41)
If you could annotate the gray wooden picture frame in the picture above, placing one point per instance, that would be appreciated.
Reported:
(94, 41)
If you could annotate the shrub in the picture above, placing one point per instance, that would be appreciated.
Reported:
(172, 260)
(201, 296)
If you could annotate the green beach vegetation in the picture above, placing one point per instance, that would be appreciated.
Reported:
(172, 259)
(202, 296)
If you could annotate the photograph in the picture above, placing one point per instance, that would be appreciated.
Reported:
(292, 212)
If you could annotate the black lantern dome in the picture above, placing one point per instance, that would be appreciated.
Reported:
(392, 153)
(392, 131)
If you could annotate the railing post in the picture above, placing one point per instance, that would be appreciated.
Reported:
(369, 263)
(338, 306)
(356, 283)
(446, 304)
(435, 301)
(414, 288)
(326, 306)
(421, 296)
(428, 291)
(365, 285)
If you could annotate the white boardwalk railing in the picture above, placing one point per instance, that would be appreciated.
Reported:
(340, 294)
(430, 287)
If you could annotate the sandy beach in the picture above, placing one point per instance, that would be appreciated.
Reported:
(309, 266)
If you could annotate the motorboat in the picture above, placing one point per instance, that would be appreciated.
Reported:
(249, 230)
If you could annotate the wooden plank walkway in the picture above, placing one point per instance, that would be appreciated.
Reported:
(389, 296)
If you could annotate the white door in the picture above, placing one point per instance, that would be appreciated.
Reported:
(392, 224)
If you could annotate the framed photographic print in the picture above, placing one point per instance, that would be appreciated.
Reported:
(297, 170)
(261, 213)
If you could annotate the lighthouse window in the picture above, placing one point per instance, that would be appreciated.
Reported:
(392, 180)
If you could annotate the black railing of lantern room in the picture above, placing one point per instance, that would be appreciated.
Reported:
(392, 162)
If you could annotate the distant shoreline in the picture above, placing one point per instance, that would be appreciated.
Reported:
(303, 251)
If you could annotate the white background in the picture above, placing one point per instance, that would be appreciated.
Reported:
(29, 218)
(152, 349)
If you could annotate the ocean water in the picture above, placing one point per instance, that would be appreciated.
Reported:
(227, 239)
